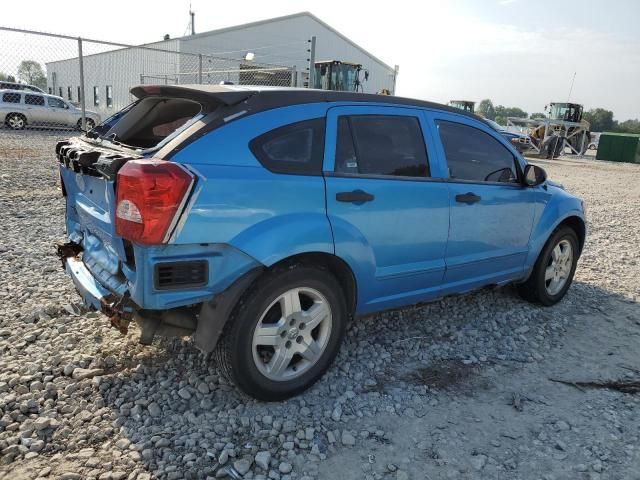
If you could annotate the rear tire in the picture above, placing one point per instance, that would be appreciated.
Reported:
(16, 121)
(284, 333)
(553, 271)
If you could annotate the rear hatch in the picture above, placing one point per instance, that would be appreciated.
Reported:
(160, 119)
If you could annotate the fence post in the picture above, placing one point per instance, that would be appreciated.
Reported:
(312, 62)
(293, 76)
(200, 68)
(83, 103)
(396, 69)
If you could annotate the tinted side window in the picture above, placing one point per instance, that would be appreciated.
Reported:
(294, 148)
(475, 155)
(11, 97)
(381, 145)
(55, 102)
(34, 99)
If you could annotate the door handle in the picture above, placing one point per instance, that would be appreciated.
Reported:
(357, 196)
(468, 198)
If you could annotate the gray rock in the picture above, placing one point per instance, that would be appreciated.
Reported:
(242, 465)
(41, 423)
(478, 462)
(83, 373)
(154, 409)
(336, 415)
(184, 393)
(348, 439)
(262, 459)
(285, 467)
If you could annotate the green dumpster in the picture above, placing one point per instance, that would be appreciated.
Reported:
(619, 147)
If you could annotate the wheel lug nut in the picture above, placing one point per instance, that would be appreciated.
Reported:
(299, 339)
(301, 326)
(292, 321)
(288, 344)
(283, 334)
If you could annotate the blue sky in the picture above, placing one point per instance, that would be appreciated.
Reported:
(518, 53)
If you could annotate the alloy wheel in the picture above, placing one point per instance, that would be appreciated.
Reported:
(16, 122)
(292, 334)
(559, 267)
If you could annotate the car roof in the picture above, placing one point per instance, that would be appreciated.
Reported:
(23, 85)
(263, 97)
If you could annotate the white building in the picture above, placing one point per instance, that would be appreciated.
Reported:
(280, 57)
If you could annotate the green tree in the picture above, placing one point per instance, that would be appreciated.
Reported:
(601, 120)
(485, 109)
(6, 77)
(32, 73)
(628, 126)
(502, 113)
(537, 115)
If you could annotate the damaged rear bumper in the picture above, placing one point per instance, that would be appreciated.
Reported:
(95, 296)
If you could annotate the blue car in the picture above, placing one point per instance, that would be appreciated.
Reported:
(260, 220)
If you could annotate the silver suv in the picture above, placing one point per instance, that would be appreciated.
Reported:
(20, 108)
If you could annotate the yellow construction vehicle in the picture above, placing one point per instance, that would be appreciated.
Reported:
(339, 76)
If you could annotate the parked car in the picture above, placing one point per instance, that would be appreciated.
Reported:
(259, 220)
(594, 140)
(520, 141)
(21, 108)
(19, 86)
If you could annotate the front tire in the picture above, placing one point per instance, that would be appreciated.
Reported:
(89, 123)
(554, 269)
(284, 333)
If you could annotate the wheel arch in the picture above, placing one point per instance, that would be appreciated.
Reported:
(572, 219)
(577, 224)
(334, 264)
(214, 314)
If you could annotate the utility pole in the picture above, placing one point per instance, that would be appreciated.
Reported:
(571, 87)
(193, 21)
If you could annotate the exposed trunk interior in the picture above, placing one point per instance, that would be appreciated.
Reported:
(151, 120)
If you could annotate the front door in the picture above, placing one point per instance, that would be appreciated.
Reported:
(388, 208)
(58, 111)
(491, 211)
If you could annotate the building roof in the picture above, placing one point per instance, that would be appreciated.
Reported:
(279, 19)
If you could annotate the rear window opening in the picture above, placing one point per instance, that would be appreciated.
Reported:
(150, 121)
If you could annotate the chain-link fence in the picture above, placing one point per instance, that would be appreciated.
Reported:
(50, 81)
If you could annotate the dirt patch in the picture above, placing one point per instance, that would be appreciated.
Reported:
(444, 374)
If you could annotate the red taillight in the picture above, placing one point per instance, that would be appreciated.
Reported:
(149, 194)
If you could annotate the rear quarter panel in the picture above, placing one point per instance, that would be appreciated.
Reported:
(269, 216)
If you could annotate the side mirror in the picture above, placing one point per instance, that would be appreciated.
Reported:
(534, 175)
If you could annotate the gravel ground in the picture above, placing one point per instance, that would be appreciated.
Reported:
(460, 388)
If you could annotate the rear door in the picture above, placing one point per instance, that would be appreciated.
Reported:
(36, 109)
(491, 211)
(387, 203)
